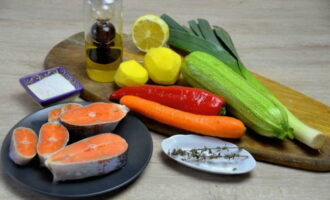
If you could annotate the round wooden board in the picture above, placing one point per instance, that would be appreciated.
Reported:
(70, 54)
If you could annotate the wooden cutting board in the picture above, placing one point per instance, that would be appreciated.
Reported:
(70, 54)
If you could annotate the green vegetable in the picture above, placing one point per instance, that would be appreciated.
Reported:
(172, 23)
(188, 30)
(224, 36)
(207, 32)
(194, 26)
(256, 110)
(225, 51)
(181, 40)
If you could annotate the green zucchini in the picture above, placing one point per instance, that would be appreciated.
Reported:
(256, 110)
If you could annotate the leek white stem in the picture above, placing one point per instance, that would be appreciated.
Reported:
(305, 134)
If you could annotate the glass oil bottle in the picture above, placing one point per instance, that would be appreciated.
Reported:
(103, 39)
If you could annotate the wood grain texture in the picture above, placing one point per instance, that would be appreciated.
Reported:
(286, 41)
(70, 54)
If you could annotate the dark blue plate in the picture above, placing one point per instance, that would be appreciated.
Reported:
(39, 178)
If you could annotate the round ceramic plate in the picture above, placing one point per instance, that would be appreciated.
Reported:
(222, 165)
(39, 178)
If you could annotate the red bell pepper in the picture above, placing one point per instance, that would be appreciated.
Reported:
(188, 99)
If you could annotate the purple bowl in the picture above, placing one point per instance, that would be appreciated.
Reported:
(32, 78)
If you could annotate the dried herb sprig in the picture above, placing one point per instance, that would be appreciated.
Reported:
(203, 154)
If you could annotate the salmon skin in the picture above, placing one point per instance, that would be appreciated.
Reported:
(23, 145)
(54, 115)
(92, 156)
(53, 137)
(93, 119)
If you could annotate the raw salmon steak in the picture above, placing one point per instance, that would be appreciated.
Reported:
(54, 115)
(23, 145)
(93, 156)
(93, 119)
(52, 137)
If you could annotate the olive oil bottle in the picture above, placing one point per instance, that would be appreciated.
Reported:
(103, 40)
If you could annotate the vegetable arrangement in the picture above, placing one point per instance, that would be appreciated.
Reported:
(218, 43)
(162, 65)
(215, 66)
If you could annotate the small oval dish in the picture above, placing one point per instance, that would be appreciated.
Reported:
(208, 154)
(51, 86)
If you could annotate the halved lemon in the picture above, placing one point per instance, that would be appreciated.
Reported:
(149, 31)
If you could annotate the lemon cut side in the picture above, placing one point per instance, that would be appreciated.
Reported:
(149, 31)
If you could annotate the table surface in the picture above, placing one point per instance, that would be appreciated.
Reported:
(287, 41)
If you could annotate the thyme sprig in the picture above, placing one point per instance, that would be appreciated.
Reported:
(206, 153)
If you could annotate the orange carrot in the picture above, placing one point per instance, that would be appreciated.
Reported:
(218, 126)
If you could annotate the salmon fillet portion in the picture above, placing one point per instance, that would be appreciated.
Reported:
(93, 156)
(93, 119)
(52, 137)
(94, 113)
(23, 145)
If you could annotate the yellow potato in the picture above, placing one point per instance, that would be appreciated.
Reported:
(131, 73)
(163, 65)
